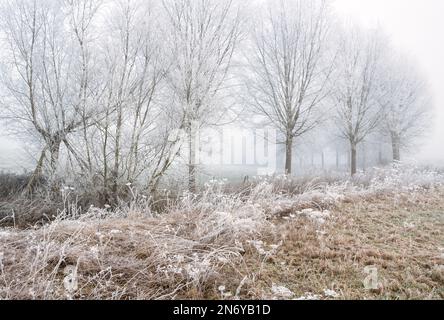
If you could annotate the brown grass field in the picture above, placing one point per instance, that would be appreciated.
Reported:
(183, 256)
(403, 237)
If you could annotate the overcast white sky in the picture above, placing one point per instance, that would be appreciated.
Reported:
(417, 26)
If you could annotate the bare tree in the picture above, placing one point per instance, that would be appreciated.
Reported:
(41, 74)
(356, 87)
(405, 103)
(288, 70)
(93, 94)
(81, 15)
(203, 35)
(132, 136)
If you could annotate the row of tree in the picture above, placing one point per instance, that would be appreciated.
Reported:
(307, 70)
(104, 84)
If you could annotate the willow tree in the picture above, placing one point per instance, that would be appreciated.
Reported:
(41, 73)
(201, 37)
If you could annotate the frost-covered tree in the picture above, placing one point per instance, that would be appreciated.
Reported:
(356, 87)
(131, 138)
(88, 82)
(289, 64)
(406, 104)
(41, 72)
(201, 37)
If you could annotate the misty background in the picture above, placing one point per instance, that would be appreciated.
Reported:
(412, 25)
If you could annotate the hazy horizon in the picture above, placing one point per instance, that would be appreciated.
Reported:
(414, 27)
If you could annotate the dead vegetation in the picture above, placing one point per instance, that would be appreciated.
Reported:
(260, 244)
(402, 237)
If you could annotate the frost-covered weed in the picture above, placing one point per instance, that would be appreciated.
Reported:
(330, 293)
(281, 292)
(264, 249)
(398, 179)
(309, 296)
(185, 247)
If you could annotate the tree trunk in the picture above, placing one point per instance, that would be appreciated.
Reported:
(396, 147)
(364, 157)
(54, 149)
(115, 188)
(288, 155)
(348, 159)
(353, 159)
(105, 160)
(87, 149)
(192, 160)
(37, 174)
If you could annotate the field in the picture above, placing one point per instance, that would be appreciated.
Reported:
(402, 238)
(273, 239)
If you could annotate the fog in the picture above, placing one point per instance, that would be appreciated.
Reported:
(416, 27)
